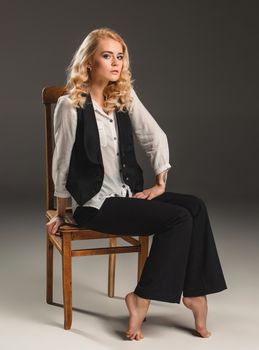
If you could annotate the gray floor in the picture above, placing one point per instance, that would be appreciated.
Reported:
(99, 322)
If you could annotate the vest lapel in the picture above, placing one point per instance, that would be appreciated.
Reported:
(124, 131)
(91, 134)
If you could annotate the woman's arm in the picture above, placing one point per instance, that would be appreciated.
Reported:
(149, 135)
(65, 121)
(155, 144)
(61, 206)
(161, 178)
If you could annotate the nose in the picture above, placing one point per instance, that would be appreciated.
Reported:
(115, 61)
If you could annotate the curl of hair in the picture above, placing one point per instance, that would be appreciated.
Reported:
(117, 93)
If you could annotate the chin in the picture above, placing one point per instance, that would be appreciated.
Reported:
(114, 80)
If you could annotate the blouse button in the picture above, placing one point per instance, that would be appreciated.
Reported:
(117, 154)
(115, 138)
(111, 120)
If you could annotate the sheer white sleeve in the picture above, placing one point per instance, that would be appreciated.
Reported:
(149, 135)
(64, 123)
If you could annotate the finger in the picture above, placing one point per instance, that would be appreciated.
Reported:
(57, 226)
(49, 227)
(140, 194)
(51, 231)
(51, 221)
(54, 228)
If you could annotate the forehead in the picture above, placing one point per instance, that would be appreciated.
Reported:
(108, 44)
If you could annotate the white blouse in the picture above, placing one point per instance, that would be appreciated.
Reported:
(145, 128)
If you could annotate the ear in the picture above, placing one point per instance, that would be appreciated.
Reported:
(88, 65)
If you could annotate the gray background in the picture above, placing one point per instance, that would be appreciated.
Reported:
(195, 65)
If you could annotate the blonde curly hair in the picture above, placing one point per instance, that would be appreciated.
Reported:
(117, 93)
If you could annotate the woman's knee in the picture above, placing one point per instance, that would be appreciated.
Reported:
(180, 216)
(185, 215)
(198, 205)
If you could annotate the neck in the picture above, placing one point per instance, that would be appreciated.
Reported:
(96, 91)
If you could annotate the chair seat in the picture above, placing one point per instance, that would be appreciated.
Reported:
(78, 233)
(81, 232)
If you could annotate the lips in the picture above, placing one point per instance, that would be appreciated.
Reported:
(115, 71)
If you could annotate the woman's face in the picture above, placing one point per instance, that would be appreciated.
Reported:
(107, 61)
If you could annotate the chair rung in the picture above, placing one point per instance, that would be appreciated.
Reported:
(130, 240)
(105, 250)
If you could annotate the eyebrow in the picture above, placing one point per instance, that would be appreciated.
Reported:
(119, 53)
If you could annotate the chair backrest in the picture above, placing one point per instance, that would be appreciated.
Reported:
(50, 95)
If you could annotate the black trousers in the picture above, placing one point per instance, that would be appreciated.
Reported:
(183, 256)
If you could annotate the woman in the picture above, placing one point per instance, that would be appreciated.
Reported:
(94, 163)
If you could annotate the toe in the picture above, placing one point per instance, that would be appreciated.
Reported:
(137, 337)
(204, 333)
(133, 336)
(129, 334)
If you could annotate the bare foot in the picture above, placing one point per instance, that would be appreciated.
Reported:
(137, 307)
(199, 307)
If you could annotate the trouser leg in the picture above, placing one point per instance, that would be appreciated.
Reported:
(163, 274)
(164, 271)
(204, 273)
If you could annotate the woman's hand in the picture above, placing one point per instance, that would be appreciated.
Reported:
(54, 224)
(150, 193)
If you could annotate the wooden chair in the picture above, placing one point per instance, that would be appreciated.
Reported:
(70, 232)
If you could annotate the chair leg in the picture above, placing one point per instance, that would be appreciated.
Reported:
(143, 254)
(111, 268)
(67, 279)
(49, 291)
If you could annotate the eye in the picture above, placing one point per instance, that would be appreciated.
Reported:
(106, 55)
(120, 57)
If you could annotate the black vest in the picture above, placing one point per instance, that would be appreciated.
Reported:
(86, 170)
